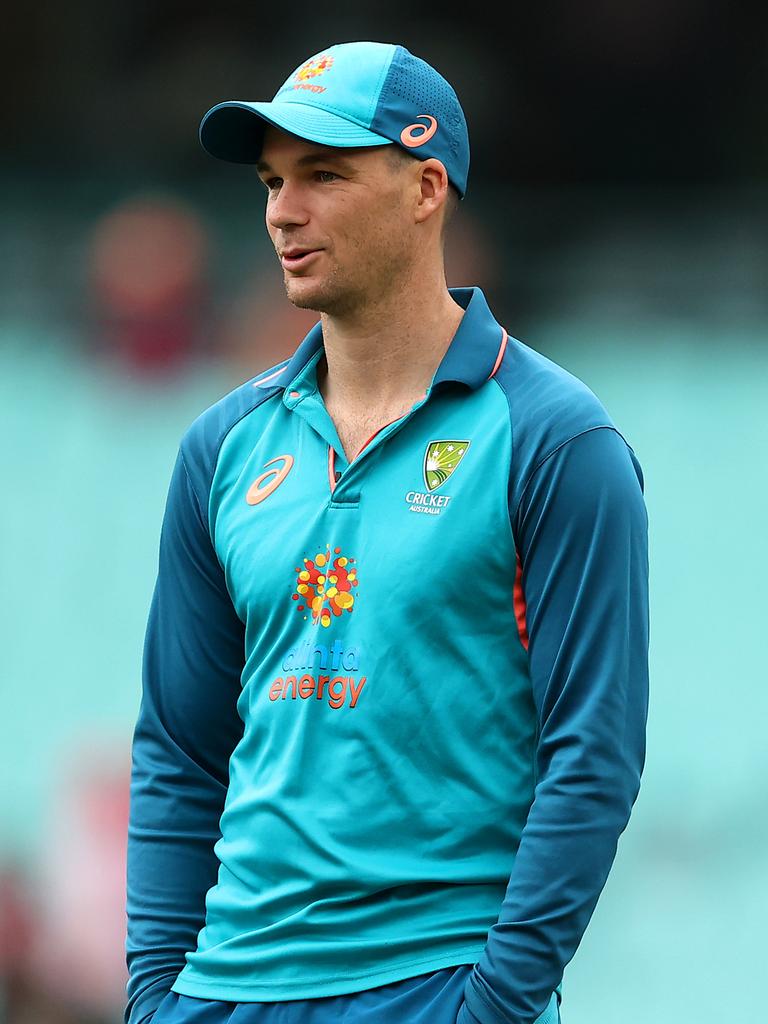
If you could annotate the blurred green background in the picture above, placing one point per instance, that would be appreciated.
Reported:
(617, 219)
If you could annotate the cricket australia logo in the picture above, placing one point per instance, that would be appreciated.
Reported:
(441, 458)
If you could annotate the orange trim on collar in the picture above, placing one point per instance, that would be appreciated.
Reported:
(500, 356)
(263, 380)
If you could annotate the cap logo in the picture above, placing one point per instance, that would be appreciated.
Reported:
(314, 67)
(417, 134)
(309, 70)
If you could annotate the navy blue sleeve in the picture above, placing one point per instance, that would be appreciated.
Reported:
(186, 729)
(581, 530)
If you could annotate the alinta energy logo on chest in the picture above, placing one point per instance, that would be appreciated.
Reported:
(325, 591)
(441, 459)
(325, 586)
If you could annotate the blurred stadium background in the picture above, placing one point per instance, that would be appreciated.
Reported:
(617, 219)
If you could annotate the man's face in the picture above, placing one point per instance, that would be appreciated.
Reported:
(338, 219)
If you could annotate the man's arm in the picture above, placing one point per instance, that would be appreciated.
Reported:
(186, 730)
(581, 528)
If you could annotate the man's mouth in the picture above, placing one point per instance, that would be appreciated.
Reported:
(296, 258)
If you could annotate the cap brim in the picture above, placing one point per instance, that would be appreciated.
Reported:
(234, 130)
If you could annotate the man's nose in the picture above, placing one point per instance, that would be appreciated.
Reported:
(286, 208)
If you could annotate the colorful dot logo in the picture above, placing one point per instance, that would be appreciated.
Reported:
(313, 68)
(324, 586)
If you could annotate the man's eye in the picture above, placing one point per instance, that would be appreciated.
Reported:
(326, 175)
(272, 183)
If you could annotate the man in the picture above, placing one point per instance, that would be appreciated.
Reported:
(395, 673)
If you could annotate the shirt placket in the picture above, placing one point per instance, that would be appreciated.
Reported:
(307, 402)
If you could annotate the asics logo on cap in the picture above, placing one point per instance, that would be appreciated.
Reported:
(408, 135)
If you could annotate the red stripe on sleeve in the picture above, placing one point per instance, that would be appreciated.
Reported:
(519, 605)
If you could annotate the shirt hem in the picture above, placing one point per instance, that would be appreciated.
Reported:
(251, 993)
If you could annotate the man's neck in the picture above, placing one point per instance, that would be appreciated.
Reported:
(386, 355)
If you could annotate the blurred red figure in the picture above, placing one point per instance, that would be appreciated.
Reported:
(260, 328)
(17, 924)
(148, 283)
(77, 960)
(470, 254)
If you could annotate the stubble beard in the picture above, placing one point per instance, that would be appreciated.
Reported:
(338, 296)
(326, 296)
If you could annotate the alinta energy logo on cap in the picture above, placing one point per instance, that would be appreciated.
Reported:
(311, 69)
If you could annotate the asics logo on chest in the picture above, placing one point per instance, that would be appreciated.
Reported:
(269, 481)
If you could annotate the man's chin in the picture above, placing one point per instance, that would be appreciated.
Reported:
(305, 294)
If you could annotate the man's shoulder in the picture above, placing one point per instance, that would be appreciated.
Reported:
(203, 438)
(547, 403)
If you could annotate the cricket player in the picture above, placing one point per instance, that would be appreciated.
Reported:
(395, 676)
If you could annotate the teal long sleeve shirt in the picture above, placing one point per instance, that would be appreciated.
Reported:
(393, 710)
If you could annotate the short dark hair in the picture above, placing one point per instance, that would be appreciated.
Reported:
(400, 156)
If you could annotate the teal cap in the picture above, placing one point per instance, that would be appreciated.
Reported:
(351, 94)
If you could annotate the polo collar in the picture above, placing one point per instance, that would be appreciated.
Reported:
(478, 344)
(472, 357)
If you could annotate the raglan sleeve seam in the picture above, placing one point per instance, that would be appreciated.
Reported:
(553, 451)
(203, 518)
